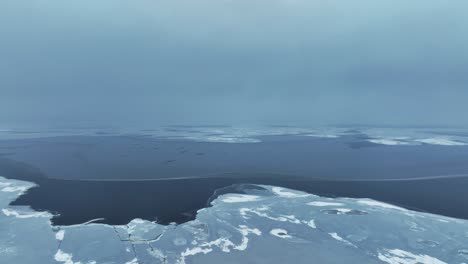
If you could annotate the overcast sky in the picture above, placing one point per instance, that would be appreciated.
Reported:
(241, 62)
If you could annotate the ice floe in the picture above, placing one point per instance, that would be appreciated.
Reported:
(277, 223)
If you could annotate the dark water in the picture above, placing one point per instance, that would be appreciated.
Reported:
(178, 200)
(133, 157)
(66, 168)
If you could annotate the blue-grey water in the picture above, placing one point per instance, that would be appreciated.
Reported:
(120, 178)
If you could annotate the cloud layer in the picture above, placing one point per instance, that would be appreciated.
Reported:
(233, 62)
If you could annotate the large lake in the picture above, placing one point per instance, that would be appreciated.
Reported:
(120, 178)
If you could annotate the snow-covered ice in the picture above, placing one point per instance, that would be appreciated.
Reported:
(276, 225)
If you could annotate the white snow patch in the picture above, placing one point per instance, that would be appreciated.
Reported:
(223, 243)
(8, 251)
(281, 192)
(321, 204)
(13, 186)
(310, 223)
(260, 212)
(66, 258)
(192, 252)
(339, 238)
(343, 210)
(195, 251)
(380, 204)
(10, 212)
(137, 221)
(245, 231)
(133, 261)
(222, 139)
(322, 135)
(441, 141)
(60, 235)
(398, 256)
(443, 221)
(4, 184)
(20, 189)
(139, 225)
(388, 142)
(291, 219)
(281, 233)
(240, 198)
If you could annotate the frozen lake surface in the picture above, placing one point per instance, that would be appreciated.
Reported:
(208, 195)
(264, 224)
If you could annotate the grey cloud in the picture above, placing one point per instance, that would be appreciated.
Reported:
(233, 62)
